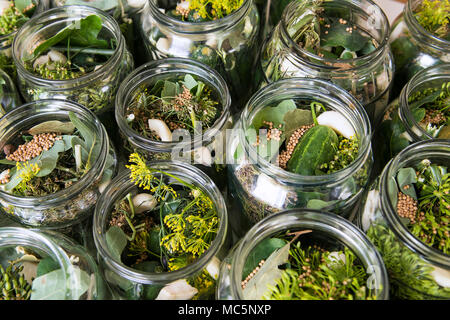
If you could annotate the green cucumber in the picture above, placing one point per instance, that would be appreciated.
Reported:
(318, 145)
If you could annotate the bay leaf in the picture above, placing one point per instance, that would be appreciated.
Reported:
(52, 126)
(267, 275)
(273, 114)
(116, 240)
(338, 36)
(295, 119)
(406, 177)
(46, 265)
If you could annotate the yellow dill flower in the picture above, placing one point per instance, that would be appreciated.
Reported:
(214, 9)
(199, 225)
(197, 246)
(177, 263)
(434, 16)
(175, 222)
(27, 172)
(174, 242)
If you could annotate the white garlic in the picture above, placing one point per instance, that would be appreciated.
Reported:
(370, 207)
(161, 129)
(40, 61)
(57, 56)
(337, 122)
(177, 290)
(102, 186)
(163, 45)
(203, 156)
(143, 202)
(336, 258)
(213, 268)
(183, 5)
(136, 3)
(441, 276)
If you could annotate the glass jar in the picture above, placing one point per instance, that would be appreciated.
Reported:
(400, 126)
(413, 47)
(260, 188)
(67, 206)
(208, 147)
(7, 63)
(329, 232)
(95, 90)
(60, 269)
(9, 97)
(367, 77)
(129, 283)
(228, 45)
(411, 264)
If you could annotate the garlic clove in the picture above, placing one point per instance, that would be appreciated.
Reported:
(163, 45)
(441, 276)
(203, 156)
(102, 186)
(40, 61)
(143, 202)
(213, 268)
(57, 56)
(177, 290)
(161, 129)
(336, 258)
(136, 3)
(337, 122)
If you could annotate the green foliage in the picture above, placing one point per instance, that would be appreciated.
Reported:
(15, 16)
(214, 9)
(13, 285)
(434, 16)
(346, 153)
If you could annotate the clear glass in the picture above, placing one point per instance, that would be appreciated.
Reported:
(367, 77)
(399, 128)
(329, 231)
(79, 279)
(6, 60)
(409, 261)
(71, 205)
(9, 97)
(212, 141)
(259, 188)
(95, 90)
(123, 279)
(413, 47)
(228, 45)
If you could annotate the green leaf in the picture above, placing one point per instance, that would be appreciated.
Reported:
(116, 240)
(295, 119)
(169, 91)
(53, 285)
(406, 177)
(85, 132)
(170, 207)
(262, 251)
(273, 114)
(320, 204)
(47, 265)
(189, 82)
(87, 33)
(52, 126)
(338, 36)
(21, 5)
(267, 275)
(99, 4)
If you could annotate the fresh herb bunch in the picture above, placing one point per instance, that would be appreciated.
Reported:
(26, 275)
(164, 228)
(204, 10)
(423, 202)
(280, 268)
(181, 104)
(49, 157)
(12, 18)
(434, 16)
(73, 52)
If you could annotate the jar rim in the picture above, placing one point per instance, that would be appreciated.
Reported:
(98, 165)
(433, 41)
(199, 27)
(335, 226)
(70, 12)
(327, 63)
(298, 86)
(437, 72)
(169, 66)
(123, 181)
(389, 211)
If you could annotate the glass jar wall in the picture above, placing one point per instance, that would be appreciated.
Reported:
(45, 265)
(149, 277)
(196, 133)
(53, 179)
(417, 270)
(365, 67)
(99, 68)
(415, 48)
(228, 44)
(418, 114)
(9, 97)
(260, 187)
(331, 233)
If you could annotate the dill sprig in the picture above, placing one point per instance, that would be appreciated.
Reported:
(434, 16)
